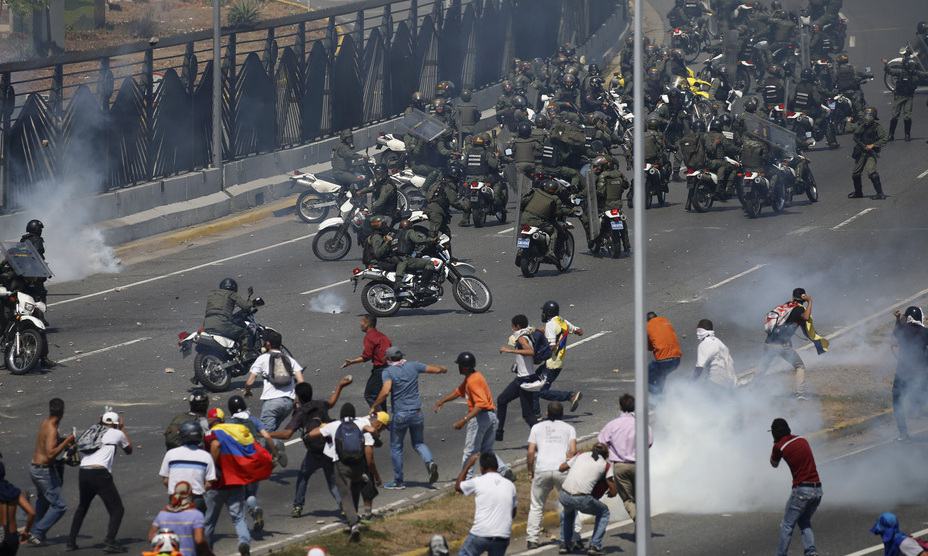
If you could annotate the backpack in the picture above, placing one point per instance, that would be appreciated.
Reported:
(280, 370)
(172, 432)
(693, 151)
(91, 439)
(349, 442)
(777, 316)
(540, 346)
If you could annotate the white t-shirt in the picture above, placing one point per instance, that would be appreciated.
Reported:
(552, 329)
(715, 359)
(525, 364)
(495, 499)
(193, 465)
(584, 473)
(261, 368)
(552, 441)
(328, 432)
(909, 547)
(107, 452)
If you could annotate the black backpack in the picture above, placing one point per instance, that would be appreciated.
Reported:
(540, 346)
(349, 442)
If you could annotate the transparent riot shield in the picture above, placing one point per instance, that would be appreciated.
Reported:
(589, 192)
(25, 260)
(771, 133)
(422, 125)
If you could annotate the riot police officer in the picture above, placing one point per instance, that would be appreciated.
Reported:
(220, 309)
(410, 242)
(542, 208)
(808, 98)
(847, 81)
(481, 164)
(343, 158)
(384, 192)
(33, 235)
(378, 247)
(772, 88)
(907, 75)
(610, 187)
(525, 150)
(692, 150)
(739, 126)
(441, 196)
(869, 138)
(466, 115)
(417, 102)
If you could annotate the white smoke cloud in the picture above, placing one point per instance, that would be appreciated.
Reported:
(327, 302)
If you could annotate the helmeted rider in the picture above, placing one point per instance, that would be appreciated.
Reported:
(384, 192)
(809, 98)
(221, 304)
(610, 187)
(410, 244)
(344, 158)
(543, 209)
(441, 196)
(481, 164)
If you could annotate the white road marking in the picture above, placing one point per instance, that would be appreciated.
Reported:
(325, 287)
(183, 271)
(853, 218)
(923, 174)
(102, 350)
(507, 230)
(879, 547)
(736, 276)
(868, 448)
(851, 41)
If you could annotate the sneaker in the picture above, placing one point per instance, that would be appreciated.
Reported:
(575, 401)
(394, 485)
(509, 475)
(433, 472)
(565, 550)
(905, 438)
(244, 549)
(800, 397)
(34, 540)
(855, 195)
(531, 545)
(259, 522)
(354, 535)
(297, 511)
(595, 551)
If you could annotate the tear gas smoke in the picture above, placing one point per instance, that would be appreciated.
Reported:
(327, 302)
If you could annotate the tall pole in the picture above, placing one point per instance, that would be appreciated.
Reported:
(217, 92)
(642, 480)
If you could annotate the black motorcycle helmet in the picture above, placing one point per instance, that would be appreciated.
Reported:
(237, 403)
(550, 309)
(542, 121)
(807, 75)
(199, 401)
(654, 124)
(914, 313)
(507, 87)
(524, 129)
(551, 186)
(377, 222)
(380, 171)
(418, 101)
(190, 432)
(724, 122)
(776, 70)
(35, 227)
(466, 95)
(466, 361)
(569, 81)
(228, 284)
(519, 102)
(699, 126)
(594, 69)
(454, 171)
(751, 105)
(346, 137)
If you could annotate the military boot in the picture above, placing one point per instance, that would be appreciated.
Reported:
(878, 186)
(858, 192)
(892, 128)
(465, 220)
(907, 124)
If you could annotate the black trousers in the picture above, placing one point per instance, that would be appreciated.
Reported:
(374, 384)
(92, 483)
(510, 394)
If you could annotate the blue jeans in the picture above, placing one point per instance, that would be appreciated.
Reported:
(658, 371)
(475, 546)
(802, 503)
(546, 393)
(588, 505)
(234, 498)
(414, 422)
(275, 411)
(49, 503)
(312, 463)
(480, 434)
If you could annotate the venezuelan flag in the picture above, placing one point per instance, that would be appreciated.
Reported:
(820, 342)
(242, 459)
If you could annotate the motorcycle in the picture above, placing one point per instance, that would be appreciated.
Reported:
(799, 178)
(220, 359)
(690, 41)
(333, 239)
(841, 109)
(656, 181)
(702, 188)
(757, 190)
(384, 297)
(483, 201)
(613, 233)
(532, 248)
(888, 78)
(24, 342)
(407, 181)
(323, 193)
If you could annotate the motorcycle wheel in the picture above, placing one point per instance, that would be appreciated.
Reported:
(752, 204)
(811, 189)
(414, 197)
(778, 203)
(889, 81)
(473, 294)
(615, 247)
(745, 77)
(529, 265)
(649, 196)
(567, 257)
(306, 207)
(207, 368)
(501, 216)
(380, 299)
(480, 217)
(693, 50)
(402, 203)
(331, 245)
(702, 197)
(31, 346)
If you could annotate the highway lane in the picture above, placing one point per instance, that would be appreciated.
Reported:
(876, 258)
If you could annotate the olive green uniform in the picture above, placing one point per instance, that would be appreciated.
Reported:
(342, 158)
(610, 187)
(908, 76)
(220, 306)
(441, 197)
(525, 152)
(542, 210)
(409, 242)
(864, 160)
(379, 251)
(385, 196)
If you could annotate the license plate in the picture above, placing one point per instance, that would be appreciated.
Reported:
(617, 225)
(747, 188)
(474, 197)
(523, 242)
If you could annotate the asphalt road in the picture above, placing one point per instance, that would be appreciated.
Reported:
(857, 257)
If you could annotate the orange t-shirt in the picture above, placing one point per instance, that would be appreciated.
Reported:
(477, 392)
(662, 339)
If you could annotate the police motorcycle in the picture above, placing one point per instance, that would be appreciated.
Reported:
(841, 111)
(896, 63)
(382, 296)
(689, 40)
(656, 183)
(483, 200)
(408, 182)
(323, 192)
(333, 239)
(756, 189)
(613, 230)
(532, 242)
(703, 187)
(23, 339)
(219, 359)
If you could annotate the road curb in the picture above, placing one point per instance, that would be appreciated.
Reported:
(853, 426)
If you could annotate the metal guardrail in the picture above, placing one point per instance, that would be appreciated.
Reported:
(119, 116)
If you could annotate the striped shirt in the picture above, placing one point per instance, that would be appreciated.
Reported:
(193, 465)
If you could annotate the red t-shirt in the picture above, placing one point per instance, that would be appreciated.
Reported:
(798, 455)
(375, 347)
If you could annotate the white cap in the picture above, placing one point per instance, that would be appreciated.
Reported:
(110, 418)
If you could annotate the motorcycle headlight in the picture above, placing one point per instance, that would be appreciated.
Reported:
(28, 307)
(758, 180)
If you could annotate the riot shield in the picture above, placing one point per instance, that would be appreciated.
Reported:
(25, 260)
(422, 125)
(589, 192)
(772, 134)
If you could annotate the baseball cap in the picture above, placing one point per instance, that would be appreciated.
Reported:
(383, 417)
(216, 413)
(110, 418)
(394, 352)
